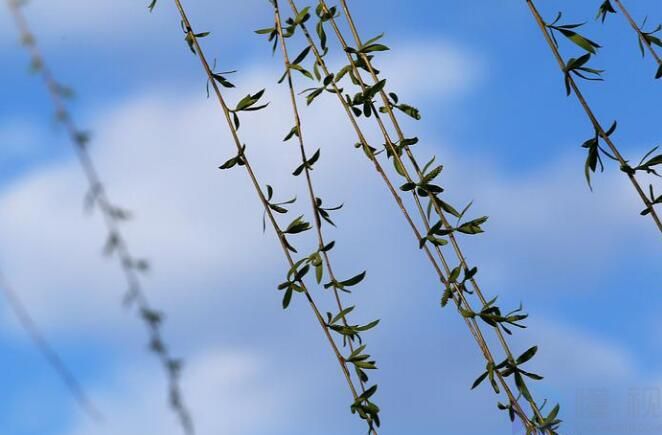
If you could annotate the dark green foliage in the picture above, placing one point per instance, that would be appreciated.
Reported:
(605, 8)
(578, 68)
(319, 260)
(569, 31)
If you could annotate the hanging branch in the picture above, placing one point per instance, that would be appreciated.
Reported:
(47, 350)
(321, 258)
(424, 187)
(647, 39)
(452, 282)
(113, 218)
(297, 269)
(578, 68)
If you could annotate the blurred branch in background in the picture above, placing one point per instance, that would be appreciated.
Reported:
(113, 217)
(47, 350)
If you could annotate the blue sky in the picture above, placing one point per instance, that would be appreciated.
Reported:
(585, 265)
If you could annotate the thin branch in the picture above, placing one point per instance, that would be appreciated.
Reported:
(458, 297)
(367, 62)
(113, 216)
(601, 132)
(316, 206)
(193, 39)
(640, 33)
(47, 350)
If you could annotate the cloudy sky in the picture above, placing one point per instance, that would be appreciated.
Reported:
(585, 265)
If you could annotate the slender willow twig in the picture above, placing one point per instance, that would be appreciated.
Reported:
(644, 41)
(307, 172)
(458, 296)
(112, 215)
(401, 137)
(625, 167)
(193, 39)
(47, 351)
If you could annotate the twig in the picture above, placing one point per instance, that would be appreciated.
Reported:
(193, 39)
(316, 206)
(600, 131)
(47, 351)
(434, 202)
(457, 296)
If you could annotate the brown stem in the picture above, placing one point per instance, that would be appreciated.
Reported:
(389, 110)
(639, 31)
(396, 125)
(307, 173)
(473, 325)
(265, 203)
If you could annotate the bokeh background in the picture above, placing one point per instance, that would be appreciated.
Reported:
(586, 266)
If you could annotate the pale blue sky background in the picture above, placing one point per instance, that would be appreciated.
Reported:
(585, 265)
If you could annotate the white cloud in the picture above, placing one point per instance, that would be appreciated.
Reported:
(120, 21)
(541, 215)
(214, 271)
(431, 69)
(171, 143)
(227, 391)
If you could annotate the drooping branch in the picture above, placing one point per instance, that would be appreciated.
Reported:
(297, 270)
(364, 53)
(358, 358)
(647, 40)
(113, 217)
(578, 68)
(330, 84)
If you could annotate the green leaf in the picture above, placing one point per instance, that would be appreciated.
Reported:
(222, 81)
(248, 102)
(472, 227)
(265, 31)
(521, 386)
(297, 226)
(410, 111)
(367, 327)
(605, 8)
(353, 280)
(526, 356)
(303, 15)
(302, 55)
(292, 133)
(341, 315)
(580, 40)
(479, 380)
(408, 187)
(373, 47)
(448, 293)
(287, 298)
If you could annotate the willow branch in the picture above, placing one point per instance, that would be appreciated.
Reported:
(458, 296)
(646, 43)
(307, 172)
(112, 216)
(401, 137)
(261, 195)
(625, 167)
